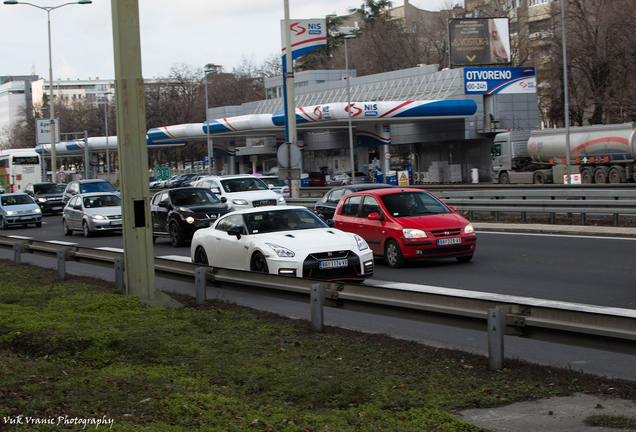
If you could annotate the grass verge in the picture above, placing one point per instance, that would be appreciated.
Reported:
(78, 352)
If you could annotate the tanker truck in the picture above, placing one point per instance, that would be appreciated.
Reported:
(600, 154)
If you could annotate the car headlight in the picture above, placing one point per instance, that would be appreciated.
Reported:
(362, 244)
(413, 233)
(98, 217)
(281, 251)
(37, 210)
(189, 220)
(42, 199)
(239, 202)
(10, 213)
(469, 229)
(281, 199)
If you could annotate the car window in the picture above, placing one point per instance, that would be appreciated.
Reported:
(74, 188)
(46, 189)
(12, 200)
(73, 201)
(334, 197)
(405, 204)
(165, 197)
(369, 205)
(101, 201)
(282, 220)
(230, 222)
(193, 197)
(351, 205)
(243, 184)
(155, 199)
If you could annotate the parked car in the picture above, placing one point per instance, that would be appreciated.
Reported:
(345, 179)
(178, 213)
(277, 185)
(91, 213)
(316, 179)
(47, 195)
(153, 182)
(326, 206)
(401, 224)
(180, 179)
(19, 209)
(87, 186)
(190, 181)
(289, 241)
(241, 191)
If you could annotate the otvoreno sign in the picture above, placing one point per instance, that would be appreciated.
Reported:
(500, 80)
(43, 131)
(306, 35)
(479, 41)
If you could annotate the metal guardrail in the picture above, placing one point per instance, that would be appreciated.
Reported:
(614, 202)
(604, 328)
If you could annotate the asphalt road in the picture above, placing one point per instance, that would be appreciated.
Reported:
(586, 270)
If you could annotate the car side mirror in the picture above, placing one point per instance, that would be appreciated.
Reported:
(77, 206)
(271, 186)
(223, 200)
(331, 223)
(162, 204)
(375, 216)
(453, 209)
(235, 231)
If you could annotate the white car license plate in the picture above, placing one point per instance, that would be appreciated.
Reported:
(333, 264)
(449, 241)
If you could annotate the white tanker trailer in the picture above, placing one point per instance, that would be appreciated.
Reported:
(601, 154)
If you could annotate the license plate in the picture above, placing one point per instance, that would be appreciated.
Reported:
(56, 208)
(333, 264)
(26, 217)
(115, 223)
(449, 241)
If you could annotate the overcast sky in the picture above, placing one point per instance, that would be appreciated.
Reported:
(190, 32)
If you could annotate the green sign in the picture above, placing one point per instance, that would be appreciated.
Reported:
(162, 173)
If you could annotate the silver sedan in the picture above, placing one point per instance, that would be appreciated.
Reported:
(92, 213)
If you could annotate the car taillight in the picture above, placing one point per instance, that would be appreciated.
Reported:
(286, 190)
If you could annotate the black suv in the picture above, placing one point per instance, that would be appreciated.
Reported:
(87, 186)
(47, 195)
(178, 213)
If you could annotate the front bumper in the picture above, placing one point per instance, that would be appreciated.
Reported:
(428, 248)
(23, 219)
(360, 266)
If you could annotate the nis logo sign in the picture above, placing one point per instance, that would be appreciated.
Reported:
(309, 28)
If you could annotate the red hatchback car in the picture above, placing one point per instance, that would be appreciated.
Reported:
(401, 224)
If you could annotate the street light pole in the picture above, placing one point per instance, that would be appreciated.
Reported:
(48, 10)
(106, 120)
(566, 97)
(207, 122)
(353, 171)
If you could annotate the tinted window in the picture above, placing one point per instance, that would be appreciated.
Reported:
(16, 200)
(193, 197)
(282, 220)
(101, 201)
(406, 204)
(351, 205)
(97, 187)
(230, 222)
(243, 184)
(47, 189)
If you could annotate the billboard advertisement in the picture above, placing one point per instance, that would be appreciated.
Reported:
(479, 41)
(500, 80)
(306, 35)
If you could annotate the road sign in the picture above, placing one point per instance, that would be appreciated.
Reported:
(43, 131)
(286, 156)
(162, 173)
(61, 176)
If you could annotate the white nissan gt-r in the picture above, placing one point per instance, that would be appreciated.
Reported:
(287, 240)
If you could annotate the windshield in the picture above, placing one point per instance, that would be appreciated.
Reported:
(47, 189)
(406, 204)
(282, 220)
(102, 201)
(185, 198)
(97, 187)
(243, 184)
(16, 200)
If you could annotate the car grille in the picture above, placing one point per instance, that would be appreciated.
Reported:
(24, 212)
(114, 217)
(55, 199)
(311, 267)
(261, 203)
(447, 233)
(329, 255)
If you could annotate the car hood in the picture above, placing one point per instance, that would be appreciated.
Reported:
(310, 240)
(104, 211)
(208, 208)
(21, 207)
(49, 195)
(434, 222)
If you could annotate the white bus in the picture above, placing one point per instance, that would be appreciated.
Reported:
(18, 168)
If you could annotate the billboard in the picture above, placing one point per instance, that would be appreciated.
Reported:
(479, 41)
(500, 80)
(306, 35)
